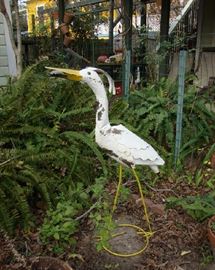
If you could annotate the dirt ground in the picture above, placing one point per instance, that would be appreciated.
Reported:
(178, 243)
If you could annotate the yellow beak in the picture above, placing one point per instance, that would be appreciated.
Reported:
(70, 74)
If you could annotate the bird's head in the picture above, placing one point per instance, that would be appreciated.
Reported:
(89, 75)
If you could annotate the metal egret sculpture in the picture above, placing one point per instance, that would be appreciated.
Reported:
(119, 143)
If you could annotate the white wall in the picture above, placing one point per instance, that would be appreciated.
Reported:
(7, 55)
(4, 71)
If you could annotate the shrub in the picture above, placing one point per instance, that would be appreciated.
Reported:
(44, 145)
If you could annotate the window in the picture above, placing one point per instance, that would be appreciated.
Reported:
(40, 10)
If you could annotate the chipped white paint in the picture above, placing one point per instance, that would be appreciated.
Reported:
(120, 143)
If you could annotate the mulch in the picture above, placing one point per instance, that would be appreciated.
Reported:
(179, 242)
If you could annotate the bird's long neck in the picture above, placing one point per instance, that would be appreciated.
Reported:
(102, 118)
(98, 88)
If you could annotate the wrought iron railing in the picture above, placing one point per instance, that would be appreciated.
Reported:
(184, 28)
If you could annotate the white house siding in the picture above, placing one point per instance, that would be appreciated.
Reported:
(7, 54)
(4, 70)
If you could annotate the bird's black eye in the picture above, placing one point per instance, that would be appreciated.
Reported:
(89, 73)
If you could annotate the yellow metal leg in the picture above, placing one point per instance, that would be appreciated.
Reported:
(118, 189)
(143, 202)
(145, 234)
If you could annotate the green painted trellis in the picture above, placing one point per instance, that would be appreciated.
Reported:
(126, 74)
(181, 82)
(126, 67)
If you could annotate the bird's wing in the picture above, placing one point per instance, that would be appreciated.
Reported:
(129, 146)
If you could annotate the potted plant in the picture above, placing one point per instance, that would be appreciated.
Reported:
(55, 15)
(64, 28)
(68, 17)
(67, 39)
(211, 232)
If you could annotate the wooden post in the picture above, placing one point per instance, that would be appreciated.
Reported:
(26, 55)
(199, 32)
(164, 31)
(61, 9)
(127, 6)
(181, 82)
(111, 25)
(143, 13)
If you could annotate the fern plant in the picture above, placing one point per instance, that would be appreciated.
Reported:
(44, 145)
(152, 115)
(198, 207)
(47, 143)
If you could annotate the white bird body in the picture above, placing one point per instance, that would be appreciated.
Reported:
(120, 143)
(127, 148)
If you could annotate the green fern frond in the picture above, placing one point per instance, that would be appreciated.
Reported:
(87, 141)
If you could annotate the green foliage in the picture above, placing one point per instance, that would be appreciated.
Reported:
(47, 143)
(204, 174)
(59, 225)
(101, 214)
(83, 27)
(45, 149)
(212, 226)
(152, 115)
(206, 255)
(104, 231)
(61, 222)
(153, 110)
(124, 194)
(153, 56)
(102, 218)
(198, 207)
(104, 224)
